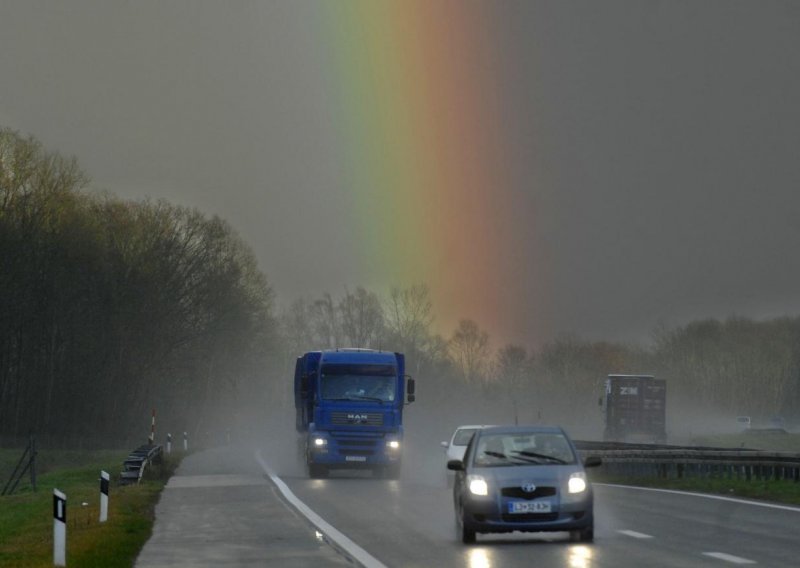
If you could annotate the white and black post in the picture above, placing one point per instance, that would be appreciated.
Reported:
(169, 443)
(59, 528)
(104, 478)
(152, 438)
(185, 442)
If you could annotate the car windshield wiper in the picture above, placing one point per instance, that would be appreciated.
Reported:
(553, 459)
(496, 455)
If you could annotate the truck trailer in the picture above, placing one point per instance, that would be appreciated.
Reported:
(349, 410)
(634, 408)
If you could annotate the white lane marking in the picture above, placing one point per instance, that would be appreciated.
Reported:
(635, 534)
(729, 558)
(705, 496)
(355, 551)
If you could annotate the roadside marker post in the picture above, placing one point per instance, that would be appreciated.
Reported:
(59, 528)
(169, 443)
(152, 438)
(104, 479)
(185, 442)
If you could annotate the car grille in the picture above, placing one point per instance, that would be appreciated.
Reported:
(530, 518)
(518, 493)
(346, 418)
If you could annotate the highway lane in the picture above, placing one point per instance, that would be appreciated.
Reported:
(409, 523)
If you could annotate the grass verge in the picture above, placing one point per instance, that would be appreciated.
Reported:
(26, 517)
(777, 491)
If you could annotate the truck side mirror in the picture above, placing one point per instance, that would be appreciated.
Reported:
(410, 388)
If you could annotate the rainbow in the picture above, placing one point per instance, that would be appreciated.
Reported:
(414, 97)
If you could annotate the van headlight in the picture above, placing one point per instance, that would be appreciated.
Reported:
(477, 485)
(577, 482)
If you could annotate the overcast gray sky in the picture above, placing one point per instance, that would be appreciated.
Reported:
(663, 138)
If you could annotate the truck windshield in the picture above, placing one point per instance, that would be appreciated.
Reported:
(358, 382)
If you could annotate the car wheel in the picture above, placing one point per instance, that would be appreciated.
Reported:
(582, 535)
(463, 532)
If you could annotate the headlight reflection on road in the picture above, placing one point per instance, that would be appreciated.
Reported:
(479, 559)
(579, 557)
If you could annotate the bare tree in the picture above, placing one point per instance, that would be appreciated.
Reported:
(512, 370)
(325, 322)
(469, 350)
(361, 318)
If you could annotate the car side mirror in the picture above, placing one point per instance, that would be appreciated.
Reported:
(445, 444)
(592, 461)
(455, 465)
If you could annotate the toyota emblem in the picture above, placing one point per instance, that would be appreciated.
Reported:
(528, 487)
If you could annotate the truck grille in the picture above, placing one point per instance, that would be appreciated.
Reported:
(357, 418)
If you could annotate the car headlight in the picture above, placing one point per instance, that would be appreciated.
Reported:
(477, 485)
(577, 482)
(393, 444)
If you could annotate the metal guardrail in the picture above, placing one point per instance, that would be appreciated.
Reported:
(643, 460)
(138, 460)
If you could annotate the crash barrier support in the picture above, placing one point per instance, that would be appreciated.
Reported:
(138, 460)
(674, 462)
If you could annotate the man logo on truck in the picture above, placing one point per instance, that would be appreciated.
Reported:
(357, 418)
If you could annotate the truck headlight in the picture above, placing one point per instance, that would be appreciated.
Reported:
(320, 442)
(577, 483)
(393, 444)
(477, 485)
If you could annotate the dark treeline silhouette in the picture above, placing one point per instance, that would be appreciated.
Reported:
(109, 309)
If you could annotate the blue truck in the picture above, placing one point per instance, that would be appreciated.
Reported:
(349, 410)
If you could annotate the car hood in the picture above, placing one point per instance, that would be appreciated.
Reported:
(538, 474)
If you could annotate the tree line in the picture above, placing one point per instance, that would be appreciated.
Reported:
(715, 370)
(111, 308)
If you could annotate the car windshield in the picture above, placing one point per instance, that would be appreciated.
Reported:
(463, 436)
(523, 449)
(375, 383)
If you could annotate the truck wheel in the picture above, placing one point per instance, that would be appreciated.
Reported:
(391, 471)
(316, 471)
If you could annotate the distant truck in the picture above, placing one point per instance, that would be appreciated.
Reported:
(349, 410)
(634, 408)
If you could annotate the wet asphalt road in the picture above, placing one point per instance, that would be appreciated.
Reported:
(222, 511)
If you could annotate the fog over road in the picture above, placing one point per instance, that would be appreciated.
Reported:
(409, 522)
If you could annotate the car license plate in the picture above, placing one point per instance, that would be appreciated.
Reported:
(355, 458)
(529, 507)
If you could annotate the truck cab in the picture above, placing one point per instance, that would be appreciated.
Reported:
(349, 410)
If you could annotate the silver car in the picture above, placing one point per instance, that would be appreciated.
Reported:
(522, 478)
